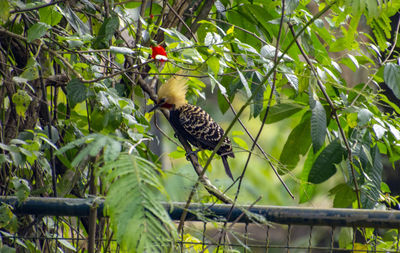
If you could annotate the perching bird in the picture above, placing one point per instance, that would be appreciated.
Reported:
(192, 122)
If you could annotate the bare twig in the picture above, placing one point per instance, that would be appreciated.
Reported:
(261, 149)
(182, 21)
(139, 25)
(205, 10)
(241, 29)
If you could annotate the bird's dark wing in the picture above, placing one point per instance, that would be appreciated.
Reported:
(204, 132)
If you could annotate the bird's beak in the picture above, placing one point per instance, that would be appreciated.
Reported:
(154, 107)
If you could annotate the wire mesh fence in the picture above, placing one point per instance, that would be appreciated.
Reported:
(61, 225)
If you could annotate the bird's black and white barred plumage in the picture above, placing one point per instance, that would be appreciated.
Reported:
(197, 126)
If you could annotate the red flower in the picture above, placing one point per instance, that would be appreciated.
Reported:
(158, 53)
(151, 16)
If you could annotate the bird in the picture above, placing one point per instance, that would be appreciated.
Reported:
(191, 121)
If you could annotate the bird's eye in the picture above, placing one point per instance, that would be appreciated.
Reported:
(162, 101)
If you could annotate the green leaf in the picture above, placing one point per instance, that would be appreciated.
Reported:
(391, 75)
(297, 143)
(215, 81)
(353, 60)
(387, 101)
(132, 5)
(31, 70)
(76, 23)
(344, 196)
(106, 32)
(268, 52)
(239, 141)
(318, 125)
(121, 50)
(307, 190)
(37, 31)
(258, 100)
(213, 64)
(21, 187)
(98, 120)
(76, 92)
(364, 115)
(237, 18)
(244, 83)
(4, 10)
(22, 100)
(346, 234)
(281, 111)
(49, 15)
(324, 166)
(112, 150)
(8, 221)
(293, 80)
(223, 105)
(291, 6)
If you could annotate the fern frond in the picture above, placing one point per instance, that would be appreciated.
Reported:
(381, 29)
(139, 221)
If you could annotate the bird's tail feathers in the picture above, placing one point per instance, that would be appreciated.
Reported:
(226, 165)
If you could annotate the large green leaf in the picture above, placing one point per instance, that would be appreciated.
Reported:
(49, 15)
(238, 17)
(106, 32)
(344, 196)
(258, 88)
(391, 75)
(318, 125)
(213, 64)
(76, 92)
(37, 31)
(76, 23)
(4, 10)
(324, 166)
(223, 105)
(297, 143)
(140, 222)
(281, 111)
(307, 190)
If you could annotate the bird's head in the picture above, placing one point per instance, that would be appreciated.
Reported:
(172, 94)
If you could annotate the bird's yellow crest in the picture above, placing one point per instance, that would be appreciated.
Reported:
(173, 91)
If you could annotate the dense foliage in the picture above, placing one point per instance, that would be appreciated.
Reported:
(77, 76)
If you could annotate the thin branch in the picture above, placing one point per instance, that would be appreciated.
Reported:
(139, 25)
(182, 21)
(224, 229)
(205, 10)
(241, 29)
(334, 112)
(261, 149)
